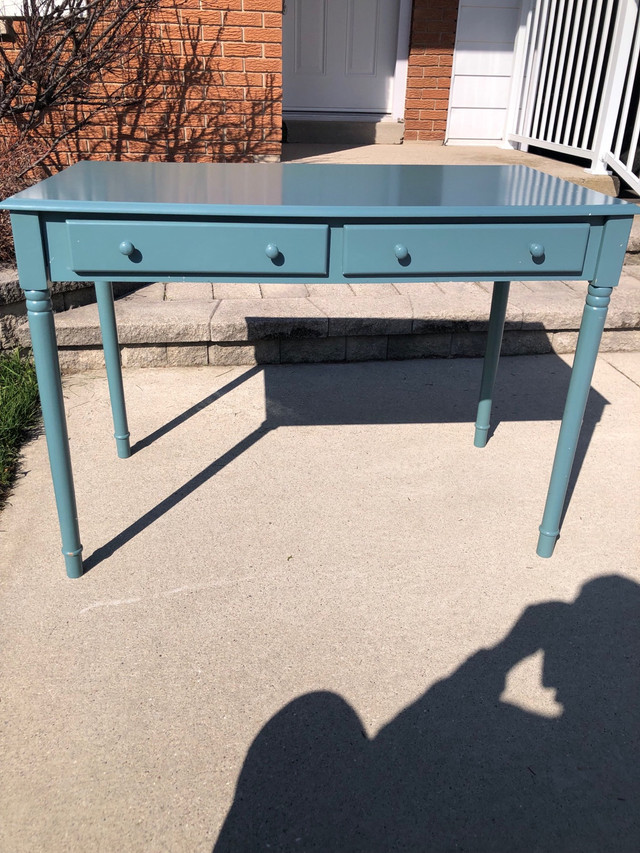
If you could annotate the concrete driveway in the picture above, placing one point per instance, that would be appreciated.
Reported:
(297, 571)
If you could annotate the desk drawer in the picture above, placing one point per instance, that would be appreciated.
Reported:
(500, 250)
(111, 248)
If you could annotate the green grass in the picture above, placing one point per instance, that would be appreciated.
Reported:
(19, 413)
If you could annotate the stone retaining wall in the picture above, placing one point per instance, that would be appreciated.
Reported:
(186, 323)
(65, 295)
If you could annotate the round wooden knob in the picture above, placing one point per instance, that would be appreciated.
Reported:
(537, 250)
(400, 251)
(126, 247)
(272, 251)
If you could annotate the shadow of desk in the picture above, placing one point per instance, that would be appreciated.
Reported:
(425, 392)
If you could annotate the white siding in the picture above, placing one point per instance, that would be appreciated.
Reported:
(482, 67)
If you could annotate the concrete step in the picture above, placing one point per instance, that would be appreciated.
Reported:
(190, 323)
(339, 131)
(633, 247)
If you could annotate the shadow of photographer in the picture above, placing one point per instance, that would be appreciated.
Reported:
(460, 769)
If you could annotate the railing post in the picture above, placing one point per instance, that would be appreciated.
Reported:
(613, 88)
(520, 51)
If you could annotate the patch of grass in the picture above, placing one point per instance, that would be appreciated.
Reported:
(19, 413)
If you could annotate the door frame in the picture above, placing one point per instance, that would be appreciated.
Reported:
(402, 61)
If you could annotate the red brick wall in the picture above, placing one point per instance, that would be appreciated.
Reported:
(212, 85)
(211, 89)
(433, 32)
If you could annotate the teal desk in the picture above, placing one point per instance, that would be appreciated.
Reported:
(108, 222)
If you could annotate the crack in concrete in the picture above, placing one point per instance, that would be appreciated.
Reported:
(626, 376)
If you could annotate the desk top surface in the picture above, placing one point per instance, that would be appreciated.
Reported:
(311, 190)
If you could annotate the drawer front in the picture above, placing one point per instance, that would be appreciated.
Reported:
(500, 250)
(112, 248)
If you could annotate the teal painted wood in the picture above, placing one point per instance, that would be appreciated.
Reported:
(109, 262)
(45, 352)
(111, 348)
(612, 248)
(30, 251)
(308, 223)
(499, 300)
(33, 280)
(189, 257)
(593, 319)
(434, 249)
(307, 190)
(610, 261)
(164, 247)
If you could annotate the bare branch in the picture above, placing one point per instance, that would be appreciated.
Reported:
(101, 77)
(63, 49)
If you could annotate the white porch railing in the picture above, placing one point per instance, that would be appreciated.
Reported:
(576, 84)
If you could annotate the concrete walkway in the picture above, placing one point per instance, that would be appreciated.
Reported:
(297, 573)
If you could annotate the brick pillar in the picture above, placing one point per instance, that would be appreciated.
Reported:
(433, 32)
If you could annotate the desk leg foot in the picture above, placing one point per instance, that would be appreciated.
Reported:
(593, 318)
(480, 436)
(546, 543)
(111, 348)
(491, 358)
(73, 562)
(123, 446)
(45, 353)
